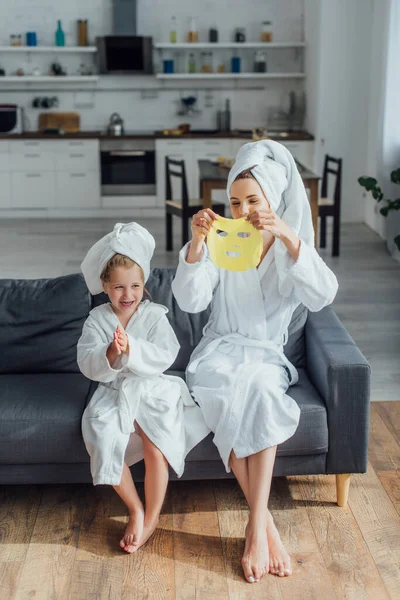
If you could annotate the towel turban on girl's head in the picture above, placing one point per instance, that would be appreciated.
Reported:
(276, 173)
(130, 239)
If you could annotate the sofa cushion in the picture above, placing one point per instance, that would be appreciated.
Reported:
(40, 418)
(41, 321)
(311, 436)
(189, 327)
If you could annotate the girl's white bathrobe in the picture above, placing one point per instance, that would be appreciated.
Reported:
(238, 373)
(134, 388)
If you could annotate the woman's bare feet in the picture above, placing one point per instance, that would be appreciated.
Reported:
(255, 561)
(133, 532)
(279, 559)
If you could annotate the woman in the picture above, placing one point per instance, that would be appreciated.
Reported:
(239, 374)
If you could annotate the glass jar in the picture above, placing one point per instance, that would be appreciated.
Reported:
(172, 31)
(193, 35)
(260, 62)
(266, 31)
(206, 62)
(192, 63)
(240, 35)
(213, 35)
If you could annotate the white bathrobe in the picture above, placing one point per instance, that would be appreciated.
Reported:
(238, 373)
(134, 388)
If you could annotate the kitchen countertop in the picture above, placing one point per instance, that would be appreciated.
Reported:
(195, 134)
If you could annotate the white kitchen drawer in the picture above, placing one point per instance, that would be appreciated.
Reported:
(213, 147)
(4, 162)
(86, 146)
(77, 159)
(5, 190)
(4, 147)
(32, 159)
(302, 151)
(33, 190)
(78, 189)
(24, 145)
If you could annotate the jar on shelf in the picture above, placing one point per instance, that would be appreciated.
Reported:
(266, 31)
(193, 35)
(240, 35)
(206, 62)
(82, 32)
(172, 31)
(260, 62)
(192, 63)
(213, 35)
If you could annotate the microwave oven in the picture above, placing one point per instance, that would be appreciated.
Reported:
(125, 54)
(11, 119)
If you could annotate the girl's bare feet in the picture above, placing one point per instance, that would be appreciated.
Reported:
(133, 532)
(148, 530)
(279, 559)
(255, 561)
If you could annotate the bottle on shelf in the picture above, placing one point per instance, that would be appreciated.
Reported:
(213, 34)
(260, 62)
(266, 31)
(192, 63)
(172, 31)
(193, 35)
(60, 37)
(82, 32)
(240, 35)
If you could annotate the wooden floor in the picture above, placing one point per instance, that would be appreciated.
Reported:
(61, 542)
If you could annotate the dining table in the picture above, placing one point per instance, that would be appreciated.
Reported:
(213, 176)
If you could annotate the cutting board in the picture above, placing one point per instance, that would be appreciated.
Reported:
(68, 121)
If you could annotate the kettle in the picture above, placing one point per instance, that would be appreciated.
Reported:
(116, 125)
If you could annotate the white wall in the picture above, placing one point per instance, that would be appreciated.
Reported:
(339, 77)
(249, 107)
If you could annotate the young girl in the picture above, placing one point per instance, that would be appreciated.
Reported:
(136, 411)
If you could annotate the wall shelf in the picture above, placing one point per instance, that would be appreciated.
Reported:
(222, 45)
(48, 78)
(230, 75)
(53, 49)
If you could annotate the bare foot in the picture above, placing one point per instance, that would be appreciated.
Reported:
(255, 559)
(148, 530)
(279, 559)
(133, 531)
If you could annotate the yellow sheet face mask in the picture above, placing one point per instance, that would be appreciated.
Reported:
(234, 244)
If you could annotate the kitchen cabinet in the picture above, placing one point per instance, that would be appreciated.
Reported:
(51, 174)
(33, 189)
(211, 149)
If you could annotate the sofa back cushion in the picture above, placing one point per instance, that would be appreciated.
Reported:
(40, 323)
(189, 327)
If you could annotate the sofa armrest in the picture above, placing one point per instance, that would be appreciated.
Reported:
(341, 374)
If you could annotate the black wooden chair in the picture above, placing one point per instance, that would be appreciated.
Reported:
(329, 205)
(183, 208)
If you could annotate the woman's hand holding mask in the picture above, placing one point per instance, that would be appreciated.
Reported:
(267, 220)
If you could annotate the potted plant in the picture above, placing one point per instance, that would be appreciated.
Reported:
(371, 185)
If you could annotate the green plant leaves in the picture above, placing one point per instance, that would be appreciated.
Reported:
(395, 176)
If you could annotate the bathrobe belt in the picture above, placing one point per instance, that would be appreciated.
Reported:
(240, 340)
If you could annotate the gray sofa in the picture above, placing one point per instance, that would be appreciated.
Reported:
(43, 394)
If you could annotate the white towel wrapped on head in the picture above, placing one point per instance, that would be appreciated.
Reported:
(275, 170)
(130, 239)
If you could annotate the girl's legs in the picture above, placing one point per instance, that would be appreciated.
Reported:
(155, 484)
(127, 492)
(254, 475)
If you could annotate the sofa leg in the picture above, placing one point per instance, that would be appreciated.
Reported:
(342, 489)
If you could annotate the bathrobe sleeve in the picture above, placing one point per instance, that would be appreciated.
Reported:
(155, 354)
(194, 283)
(315, 285)
(92, 359)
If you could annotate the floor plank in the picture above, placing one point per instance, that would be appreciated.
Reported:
(384, 451)
(391, 482)
(98, 569)
(390, 414)
(347, 558)
(50, 558)
(18, 511)
(199, 562)
(379, 524)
